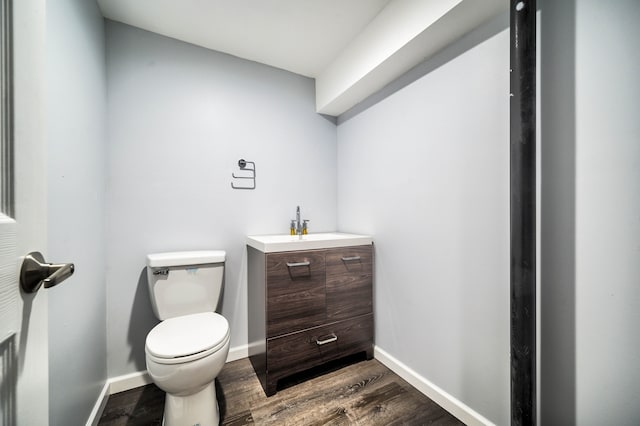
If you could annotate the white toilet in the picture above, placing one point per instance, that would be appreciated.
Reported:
(187, 350)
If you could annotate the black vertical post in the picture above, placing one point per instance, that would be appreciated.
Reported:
(523, 212)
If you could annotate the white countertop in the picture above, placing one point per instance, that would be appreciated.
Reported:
(282, 242)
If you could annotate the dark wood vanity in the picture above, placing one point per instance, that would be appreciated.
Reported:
(308, 307)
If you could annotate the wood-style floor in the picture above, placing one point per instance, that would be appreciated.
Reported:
(346, 392)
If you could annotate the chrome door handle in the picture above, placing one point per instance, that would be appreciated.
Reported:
(350, 259)
(35, 272)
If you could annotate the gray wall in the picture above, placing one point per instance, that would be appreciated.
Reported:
(426, 172)
(76, 190)
(607, 212)
(179, 118)
(591, 198)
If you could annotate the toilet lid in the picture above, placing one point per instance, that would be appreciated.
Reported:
(187, 335)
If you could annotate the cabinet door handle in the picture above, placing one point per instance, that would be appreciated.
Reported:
(333, 338)
(348, 259)
(293, 265)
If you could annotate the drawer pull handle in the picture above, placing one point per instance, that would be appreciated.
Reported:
(333, 338)
(349, 259)
(293, 265)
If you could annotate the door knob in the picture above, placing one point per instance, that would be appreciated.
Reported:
(35, 272)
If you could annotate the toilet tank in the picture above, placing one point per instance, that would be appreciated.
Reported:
(183, 283)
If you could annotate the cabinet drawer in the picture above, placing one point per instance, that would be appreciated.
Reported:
(349, 288)
(298, 351)
(295, 291)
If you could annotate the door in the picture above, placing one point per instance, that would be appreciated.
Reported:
(24, 387)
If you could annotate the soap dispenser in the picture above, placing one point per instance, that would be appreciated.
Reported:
(292, 228)
(305, 231)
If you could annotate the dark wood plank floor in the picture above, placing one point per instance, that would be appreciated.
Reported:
(346, 392)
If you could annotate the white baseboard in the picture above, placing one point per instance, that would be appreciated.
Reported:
(454, 406)
(238, 352)
(128, 381)
(98, 408)
(115, 385)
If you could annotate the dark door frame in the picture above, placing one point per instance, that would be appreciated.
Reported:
(523, 211)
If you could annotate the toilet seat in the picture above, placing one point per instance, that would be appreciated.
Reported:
(187, 338)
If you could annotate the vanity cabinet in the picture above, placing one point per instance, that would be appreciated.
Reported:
(308, 307)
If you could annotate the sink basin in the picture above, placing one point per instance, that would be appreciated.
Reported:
(276, 243)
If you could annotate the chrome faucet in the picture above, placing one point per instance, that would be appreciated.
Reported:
(301, 227)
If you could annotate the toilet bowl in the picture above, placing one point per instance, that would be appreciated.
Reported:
(187, 350)
(184, 356)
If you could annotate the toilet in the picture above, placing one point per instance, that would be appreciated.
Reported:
(187, 350)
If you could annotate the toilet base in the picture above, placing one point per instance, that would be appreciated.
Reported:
(198, 409)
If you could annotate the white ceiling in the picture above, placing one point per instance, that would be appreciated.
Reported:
(302, 36)
(352, 48)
